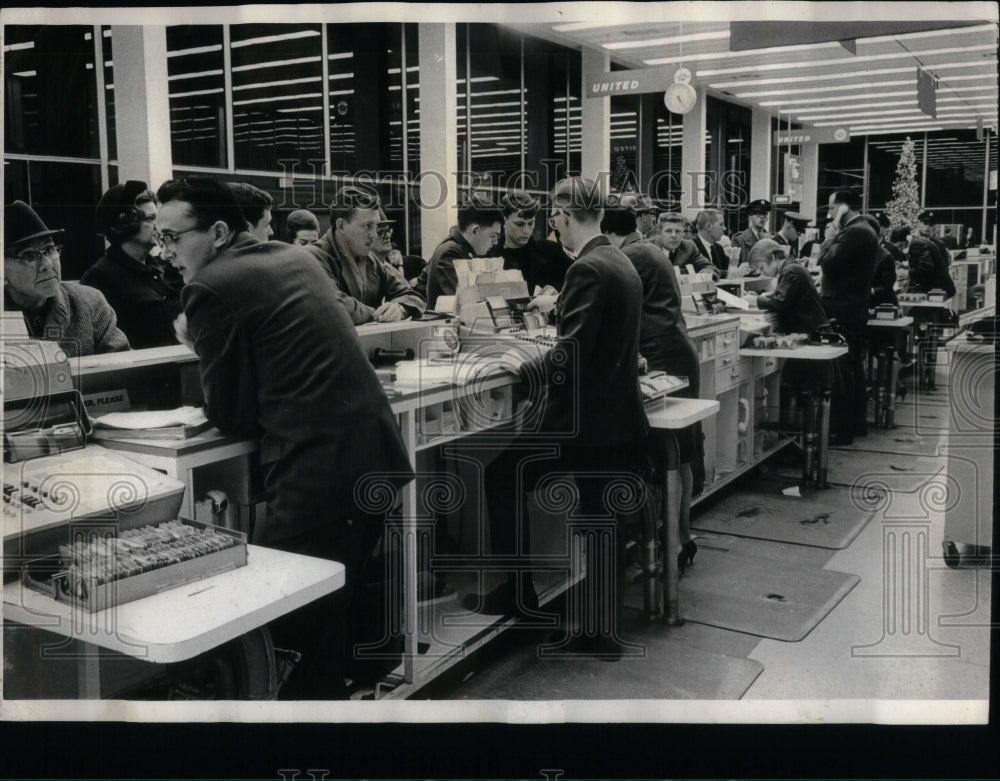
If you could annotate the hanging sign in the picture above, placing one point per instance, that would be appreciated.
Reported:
(793, 177)
(927, 92)
(630, 82)
(812, 135)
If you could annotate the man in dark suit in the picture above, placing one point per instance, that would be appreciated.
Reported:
(848, 262)
(758, 211)
(280, 360)
(681, 251)
(591, 422)
(949, 240)
(710, 227)
(793, 225)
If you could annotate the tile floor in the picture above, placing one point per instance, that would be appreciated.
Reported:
(912, 629)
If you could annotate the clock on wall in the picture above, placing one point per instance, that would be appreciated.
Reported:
(680, 96)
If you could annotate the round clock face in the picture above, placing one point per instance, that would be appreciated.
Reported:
(680, 98)
(840, 134)
(682, 76)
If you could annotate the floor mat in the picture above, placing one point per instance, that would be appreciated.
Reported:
(825, 518)
(900, 472)
(760, 596)
(668, 669)
(900, 440)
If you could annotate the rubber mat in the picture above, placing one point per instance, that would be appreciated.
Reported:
(825, 518)
(667, 669)
(758, 596)
(899, 440)
(900, 472)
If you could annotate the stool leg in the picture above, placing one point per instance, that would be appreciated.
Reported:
(808, 437)
(824, 434)
(671, 535)
(650, 534)
(890, 401)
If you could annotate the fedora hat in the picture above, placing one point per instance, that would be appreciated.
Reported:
(21, 224)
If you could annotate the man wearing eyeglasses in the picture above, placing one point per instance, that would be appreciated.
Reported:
(280, 360)
(79, 318)
(144, 292)
(374, 289)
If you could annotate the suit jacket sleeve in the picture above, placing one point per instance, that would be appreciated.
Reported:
(396, 289)
(785, 295)
(225, 362)
(108, 337)
(839, 254)
(445, 276)
(581, 302)
(358, 311)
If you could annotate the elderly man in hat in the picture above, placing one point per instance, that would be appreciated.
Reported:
(645, 213)
(759, 211)
(793, 225)
(79, 318)
(143, 291)
(373, 288)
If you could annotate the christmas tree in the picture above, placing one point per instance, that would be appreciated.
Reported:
(904, 207)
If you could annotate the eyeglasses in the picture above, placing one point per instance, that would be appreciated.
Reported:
(33, 257)
(168, 241)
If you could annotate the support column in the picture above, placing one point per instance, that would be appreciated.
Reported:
(693, 155)
(809, 163)
(595, 140)
(760, 155)
(142, 104)
(438, 133)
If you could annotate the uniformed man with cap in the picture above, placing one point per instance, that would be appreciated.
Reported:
(144, 292)
(759, 211)
(926, 221)
(793, 225)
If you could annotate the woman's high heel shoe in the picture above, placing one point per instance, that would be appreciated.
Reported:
(686, 556)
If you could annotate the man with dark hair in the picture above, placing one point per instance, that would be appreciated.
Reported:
(886, 241)
(301, 227)
(793, 225)
(710, 229)
(758, 212)
(848, 262)
(76, 316)
(681, 251)
(256, 205)
(541, 263)
(592, 413)
(280, 360)
(374, 288)
(475, 235)
(884, 276)
(144, 292)
(665, 344)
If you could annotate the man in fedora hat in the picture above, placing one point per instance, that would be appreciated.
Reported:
(373, 289)
(759, 211)
(144, 292)
(76, 316)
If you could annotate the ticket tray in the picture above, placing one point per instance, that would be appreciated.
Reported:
(49, 575)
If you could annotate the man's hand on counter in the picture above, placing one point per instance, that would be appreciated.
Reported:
(389, 312)
(181, 331)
